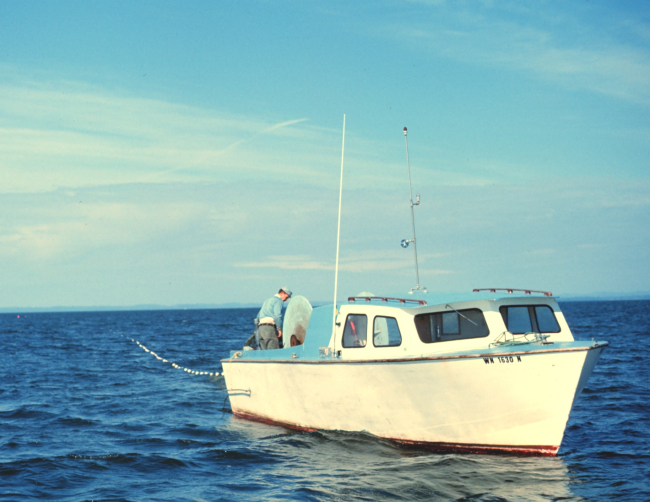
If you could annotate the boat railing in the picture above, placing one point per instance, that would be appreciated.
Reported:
(507, 338)
(511, 290)
(386, 299)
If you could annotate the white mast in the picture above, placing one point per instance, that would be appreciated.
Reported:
(338, 240)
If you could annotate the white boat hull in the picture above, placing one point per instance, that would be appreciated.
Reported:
(518, 402)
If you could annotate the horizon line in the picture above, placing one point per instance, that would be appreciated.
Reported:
(600, 297)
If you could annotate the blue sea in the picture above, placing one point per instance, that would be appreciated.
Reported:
(87, 414)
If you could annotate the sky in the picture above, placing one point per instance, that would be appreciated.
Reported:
(179, 153)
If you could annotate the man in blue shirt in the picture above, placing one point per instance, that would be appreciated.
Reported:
(270, 320)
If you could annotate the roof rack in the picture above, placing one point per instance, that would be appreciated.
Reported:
(386, 299)
(510, 290)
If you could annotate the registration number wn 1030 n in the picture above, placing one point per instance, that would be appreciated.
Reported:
(502, 359)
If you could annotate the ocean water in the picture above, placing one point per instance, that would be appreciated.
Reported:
(87, 414)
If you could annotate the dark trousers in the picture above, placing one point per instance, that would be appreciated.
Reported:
(268, 334)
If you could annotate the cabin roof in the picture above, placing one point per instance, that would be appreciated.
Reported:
(415, 299)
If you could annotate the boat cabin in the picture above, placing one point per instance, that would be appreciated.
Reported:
(378, 327)
(372, 327)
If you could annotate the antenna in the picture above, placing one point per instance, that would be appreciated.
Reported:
(405, 242)
(338, 240)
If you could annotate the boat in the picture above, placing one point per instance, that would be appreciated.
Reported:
(490, 371)
(493, 370)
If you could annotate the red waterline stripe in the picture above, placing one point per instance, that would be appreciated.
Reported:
(521, 450)
(268, 421)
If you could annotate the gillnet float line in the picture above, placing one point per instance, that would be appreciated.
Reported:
(174, 365)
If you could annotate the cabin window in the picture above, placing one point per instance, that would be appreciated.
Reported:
(355, 332)
(530, 319)
(447, 326)
(385, 332)
(546, 320)
(517, 319)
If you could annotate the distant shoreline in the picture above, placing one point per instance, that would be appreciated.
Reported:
(233, 305)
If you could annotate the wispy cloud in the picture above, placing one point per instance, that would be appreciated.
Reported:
(287, 263)
(534, 39)
(362, 261)
(57, 133)
(80, 227)
(212, 157)
(195, 239)
(72, 134)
